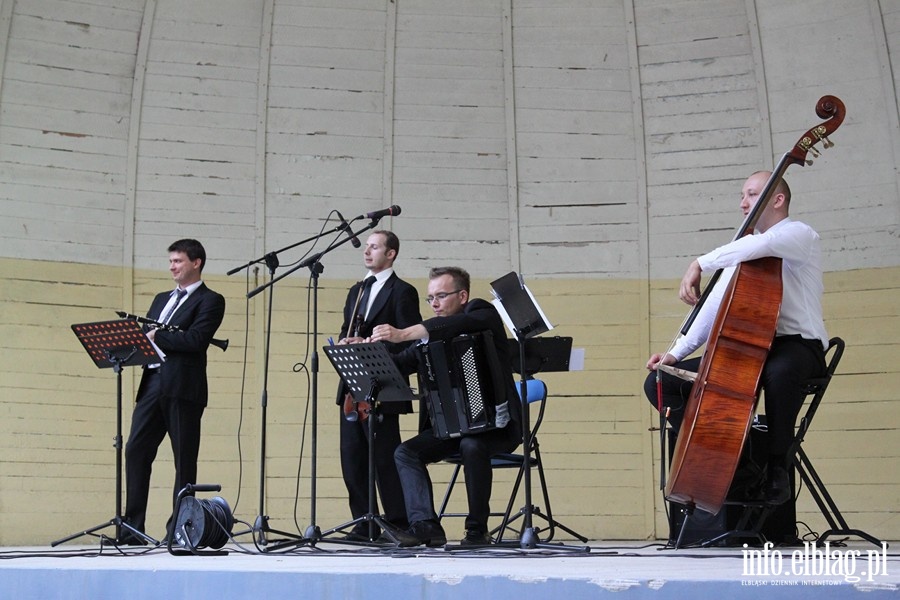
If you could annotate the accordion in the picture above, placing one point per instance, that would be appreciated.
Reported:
(463, 385)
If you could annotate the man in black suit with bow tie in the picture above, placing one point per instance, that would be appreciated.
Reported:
(380, 298)
(173, 394)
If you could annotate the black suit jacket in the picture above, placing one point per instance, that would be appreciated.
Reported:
(477, 315)
(397, 304)
(183, 374)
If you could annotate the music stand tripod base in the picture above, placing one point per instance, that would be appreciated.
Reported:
(526, 320)
(115, 344)
(370, 375)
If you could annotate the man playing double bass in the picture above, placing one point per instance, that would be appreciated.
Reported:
(798, 350)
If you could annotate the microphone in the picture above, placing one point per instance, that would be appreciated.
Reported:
(392, 211)
(346, 227)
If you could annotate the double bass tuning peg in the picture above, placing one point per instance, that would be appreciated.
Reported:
(812, 150)
(826, 143)
(820, 133)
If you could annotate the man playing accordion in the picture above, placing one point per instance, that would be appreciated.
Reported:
(455, 314)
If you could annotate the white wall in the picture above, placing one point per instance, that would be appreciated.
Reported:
(593, 145)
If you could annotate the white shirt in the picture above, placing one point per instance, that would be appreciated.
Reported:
(173, 298)
(797, 244)
(380, 279)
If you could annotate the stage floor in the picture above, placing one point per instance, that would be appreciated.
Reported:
(335, 570)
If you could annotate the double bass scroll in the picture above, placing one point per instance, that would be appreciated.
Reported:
(723, 398)
(828, 107)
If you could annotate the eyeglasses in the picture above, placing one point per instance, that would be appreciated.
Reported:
(440, 296)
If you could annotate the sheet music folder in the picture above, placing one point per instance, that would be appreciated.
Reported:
(518, 307)
(120, 341)
(357, 364)
(542, 355)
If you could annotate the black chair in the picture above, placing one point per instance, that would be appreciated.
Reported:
(754, 514)
(536, 391)
(836, 522)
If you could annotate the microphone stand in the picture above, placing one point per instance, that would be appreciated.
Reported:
(313, 533)
(261, 523)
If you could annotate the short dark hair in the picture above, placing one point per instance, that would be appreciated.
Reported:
(459, 275)
(192, 248)
(390, 240)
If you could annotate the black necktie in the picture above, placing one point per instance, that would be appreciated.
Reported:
(364, 299)
(179, 295)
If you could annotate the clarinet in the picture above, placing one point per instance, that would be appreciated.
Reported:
(223, 344)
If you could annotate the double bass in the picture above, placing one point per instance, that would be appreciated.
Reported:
(723, 399)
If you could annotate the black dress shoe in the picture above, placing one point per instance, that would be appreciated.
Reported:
(476, 537)
(778, 486)
(398, 537)
(429, 533)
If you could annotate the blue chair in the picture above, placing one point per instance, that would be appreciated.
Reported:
(536, 393)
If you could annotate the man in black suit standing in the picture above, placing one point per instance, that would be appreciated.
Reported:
(381, 298)
(455, 314)
(173, 394)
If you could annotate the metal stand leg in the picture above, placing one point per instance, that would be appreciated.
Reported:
(117, 521)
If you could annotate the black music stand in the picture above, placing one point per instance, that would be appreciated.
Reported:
(542, 355)
(116, 344)
(526, 320)
(370, 375)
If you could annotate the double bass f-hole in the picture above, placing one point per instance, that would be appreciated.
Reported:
(723, 397)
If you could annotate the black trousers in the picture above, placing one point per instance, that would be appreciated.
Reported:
(790, 363)
(355, 467)
(475, 450)
(154, 416)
